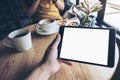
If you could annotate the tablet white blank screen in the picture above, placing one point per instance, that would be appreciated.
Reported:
(87, 45)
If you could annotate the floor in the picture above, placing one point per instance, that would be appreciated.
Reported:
(112, 16)
(112, 13)
(116, 76)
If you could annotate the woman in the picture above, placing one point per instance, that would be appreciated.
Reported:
(44, 9)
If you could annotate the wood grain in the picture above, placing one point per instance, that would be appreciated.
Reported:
(16, 65)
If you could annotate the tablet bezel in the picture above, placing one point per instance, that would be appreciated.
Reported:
(111, 50)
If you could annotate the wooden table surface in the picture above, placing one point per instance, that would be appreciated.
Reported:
(16, 65)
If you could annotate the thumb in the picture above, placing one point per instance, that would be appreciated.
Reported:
(56, 41)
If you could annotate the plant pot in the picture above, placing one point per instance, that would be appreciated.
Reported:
(90, 23)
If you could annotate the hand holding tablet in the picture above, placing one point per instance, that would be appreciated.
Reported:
(87, 45)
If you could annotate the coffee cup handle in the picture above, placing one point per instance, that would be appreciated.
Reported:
(39, 26)
(8, 42)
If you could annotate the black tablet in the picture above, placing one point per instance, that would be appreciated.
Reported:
(87, 45)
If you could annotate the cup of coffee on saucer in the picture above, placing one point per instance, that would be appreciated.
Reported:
(19, 39)
(47, 27)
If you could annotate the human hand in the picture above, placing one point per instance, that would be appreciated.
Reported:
(52, 64)
(59, 4)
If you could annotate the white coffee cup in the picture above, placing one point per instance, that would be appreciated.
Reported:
(47, 25)
(19, 39)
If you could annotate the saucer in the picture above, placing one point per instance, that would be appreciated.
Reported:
(46, 33)
(41, 32)
(69, 22)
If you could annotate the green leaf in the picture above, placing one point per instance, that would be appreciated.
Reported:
(87, 3)
(85, 20)
(97, 8)
(84, 5)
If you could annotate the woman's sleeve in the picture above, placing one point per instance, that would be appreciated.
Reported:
(26, 4)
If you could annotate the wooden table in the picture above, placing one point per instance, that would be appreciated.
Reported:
(16, 65)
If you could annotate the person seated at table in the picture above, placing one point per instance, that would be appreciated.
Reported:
(50, 66)
(12, 17)
(45, 9)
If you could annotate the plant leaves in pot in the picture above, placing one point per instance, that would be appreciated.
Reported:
(86, 11)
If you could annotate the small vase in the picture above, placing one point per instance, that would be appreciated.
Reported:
(91, 22)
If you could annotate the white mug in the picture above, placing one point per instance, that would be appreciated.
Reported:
(47, 25)
(19, 39)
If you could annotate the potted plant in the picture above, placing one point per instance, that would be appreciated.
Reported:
(85, 11)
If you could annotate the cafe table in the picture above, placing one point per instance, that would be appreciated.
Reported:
(16, 65)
